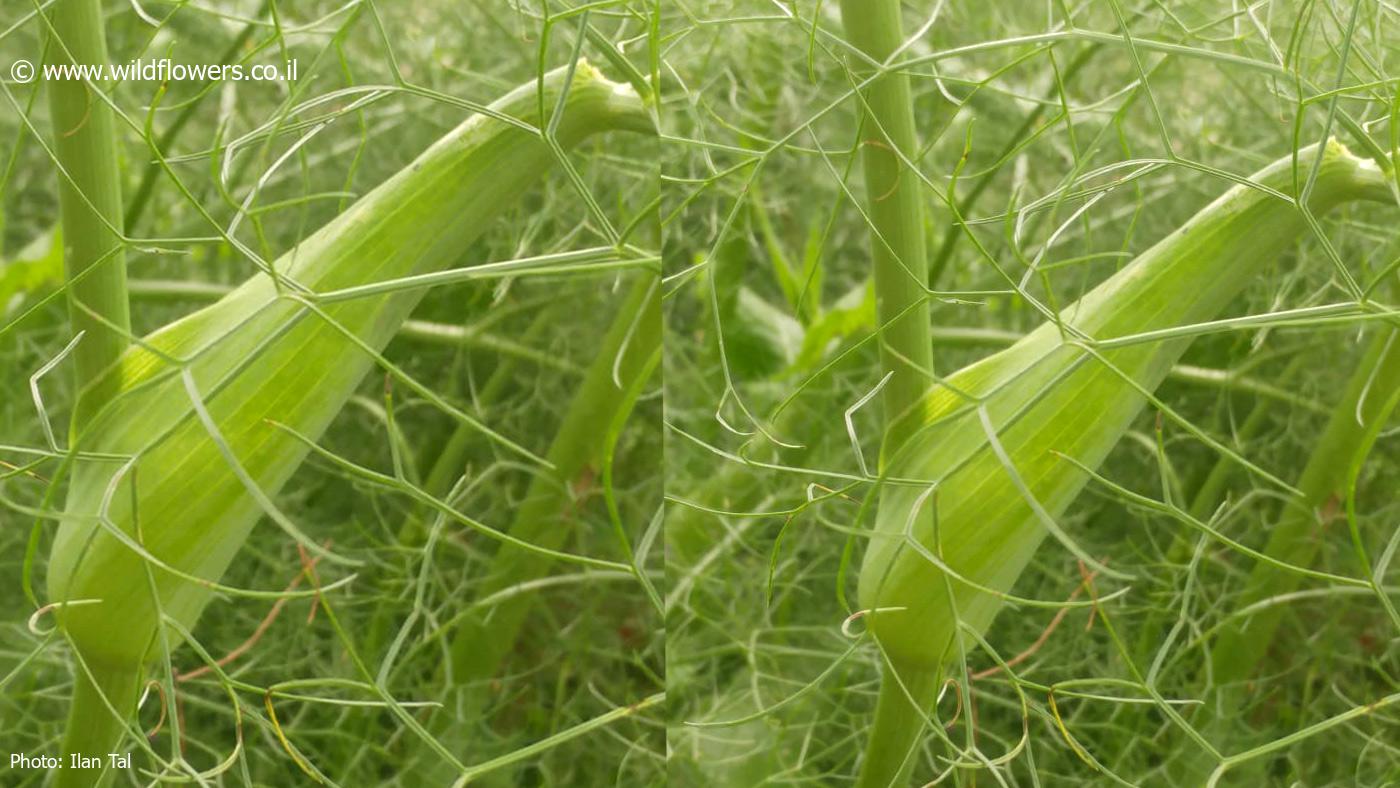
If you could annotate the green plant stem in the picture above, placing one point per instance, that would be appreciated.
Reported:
(90, 198)
(893, 205)
(889, 758)
(1243, 642)
(899, 251)
(90, 201)
(487, 635)
(93, 730)
(483, 640)
(1208, 496)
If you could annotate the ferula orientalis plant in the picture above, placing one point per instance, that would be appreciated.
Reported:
(998, 450)
(215, 410)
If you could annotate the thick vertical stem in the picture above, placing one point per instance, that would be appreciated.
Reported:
(894, 205)
(899, 252)
(90, 197)
(890, 755)
(94, 731)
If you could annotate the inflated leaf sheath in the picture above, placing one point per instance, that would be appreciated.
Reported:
(262, 356)
(1047, 395)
